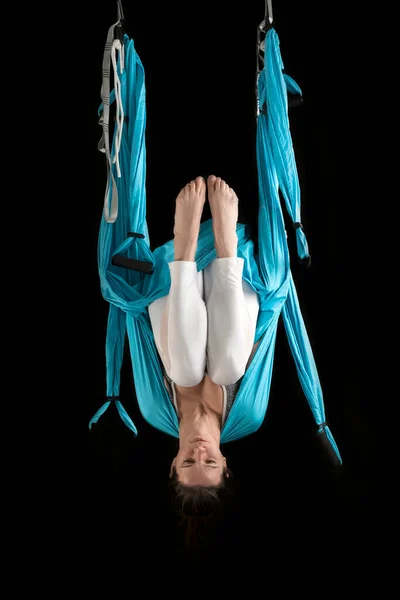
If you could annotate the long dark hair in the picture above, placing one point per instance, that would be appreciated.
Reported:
(200, 508)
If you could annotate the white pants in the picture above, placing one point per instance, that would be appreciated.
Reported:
(206, 323)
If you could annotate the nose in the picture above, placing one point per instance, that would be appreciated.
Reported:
(200, 451)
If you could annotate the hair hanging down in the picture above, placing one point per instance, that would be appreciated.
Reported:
(200, 507)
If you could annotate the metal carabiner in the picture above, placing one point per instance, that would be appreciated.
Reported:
(266, 24)
(119, 29)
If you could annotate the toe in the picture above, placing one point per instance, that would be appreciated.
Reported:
(200, 183)
(211, 179)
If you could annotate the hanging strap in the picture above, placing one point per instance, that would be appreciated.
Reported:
(109, 57)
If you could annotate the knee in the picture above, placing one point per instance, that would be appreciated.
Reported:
(227, 372)
(186, 378)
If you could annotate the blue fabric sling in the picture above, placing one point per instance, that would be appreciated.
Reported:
(126, 240)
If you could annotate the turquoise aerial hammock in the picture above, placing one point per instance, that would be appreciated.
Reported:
(132, 276)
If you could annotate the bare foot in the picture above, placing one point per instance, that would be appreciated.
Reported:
(224, 205)
(188, 210)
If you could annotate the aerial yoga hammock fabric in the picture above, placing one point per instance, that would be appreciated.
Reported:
(124, 238)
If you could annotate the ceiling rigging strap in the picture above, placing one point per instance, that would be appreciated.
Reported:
(262, 29)
(268, 11)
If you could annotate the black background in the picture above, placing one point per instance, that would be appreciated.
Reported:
(200, 61)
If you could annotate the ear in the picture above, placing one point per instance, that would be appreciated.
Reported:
(172, 467)
(225, 466)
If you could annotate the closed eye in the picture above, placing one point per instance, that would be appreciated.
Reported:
(209, 461)
(210, 464)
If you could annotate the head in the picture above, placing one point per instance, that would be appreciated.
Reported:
(199, 463)
(199, 482)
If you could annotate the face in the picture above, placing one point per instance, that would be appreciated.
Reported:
(199, 462)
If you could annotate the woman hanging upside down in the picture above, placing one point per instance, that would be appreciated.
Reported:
(204, 331)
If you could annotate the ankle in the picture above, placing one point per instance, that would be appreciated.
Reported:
(227, 247)
(185, 248)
